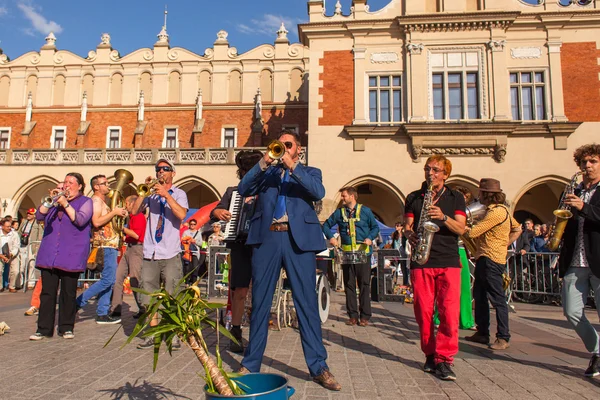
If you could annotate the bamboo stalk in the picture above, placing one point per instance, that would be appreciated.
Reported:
(218, 379)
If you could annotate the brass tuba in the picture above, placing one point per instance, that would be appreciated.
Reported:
(425, 230)
(562, 215)
(276, 149)
(475, 212)
(123, 178)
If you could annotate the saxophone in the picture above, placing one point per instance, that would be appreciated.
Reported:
(563, 214)
(425, 230)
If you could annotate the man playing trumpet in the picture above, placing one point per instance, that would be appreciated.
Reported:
(493, 233)
(579, 262)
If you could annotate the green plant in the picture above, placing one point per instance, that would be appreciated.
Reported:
(184, 315)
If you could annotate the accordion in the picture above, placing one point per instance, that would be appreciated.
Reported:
(236, 230)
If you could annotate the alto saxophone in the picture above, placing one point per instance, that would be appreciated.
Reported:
(563, 214)
(425, 230)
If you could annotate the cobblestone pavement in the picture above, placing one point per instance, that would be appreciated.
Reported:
(546, 360)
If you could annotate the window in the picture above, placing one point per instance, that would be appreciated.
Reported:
(528, 96)
(229, 137)
(455, 95)
(113, 137)
(291, 128)
(59, 137)
(170, 141)
(385, 98)
(4, 138)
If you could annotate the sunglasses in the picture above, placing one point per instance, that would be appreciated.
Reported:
(164, 168)
(192, 224)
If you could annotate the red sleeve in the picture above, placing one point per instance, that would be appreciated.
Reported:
(137, 223)
(460, 205)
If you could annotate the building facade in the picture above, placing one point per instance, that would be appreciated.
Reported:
(504, 88)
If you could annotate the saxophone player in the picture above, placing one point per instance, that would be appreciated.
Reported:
(579, 262)
(437, 279)
(494, 233)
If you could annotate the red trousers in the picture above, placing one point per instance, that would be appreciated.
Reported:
(439, 286)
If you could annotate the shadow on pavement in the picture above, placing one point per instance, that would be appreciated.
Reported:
(142, 391)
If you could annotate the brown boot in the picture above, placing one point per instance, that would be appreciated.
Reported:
(351, 322)
(363, 322)
(327, 380)
(500, 344)
(478, 338)
(243, 371)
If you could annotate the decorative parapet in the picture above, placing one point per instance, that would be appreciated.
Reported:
(443, 22)
(125, 156)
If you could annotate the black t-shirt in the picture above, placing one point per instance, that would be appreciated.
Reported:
(444, 249)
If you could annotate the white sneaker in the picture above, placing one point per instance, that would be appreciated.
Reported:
(32, 311)
(68, 335)
(36, 336)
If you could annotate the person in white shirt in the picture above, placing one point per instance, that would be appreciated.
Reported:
(9, 245)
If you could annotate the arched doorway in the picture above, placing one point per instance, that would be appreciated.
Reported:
(383, 198)
(461, 180)
(199, 192)
(538, 199)
(30, 195)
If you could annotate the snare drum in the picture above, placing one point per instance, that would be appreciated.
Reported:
(353, 257)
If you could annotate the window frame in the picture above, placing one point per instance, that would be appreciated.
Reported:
(3, 129)
(235, 136)
(165, 131)
(291, 127)
(547, 95)
(108, 130)
(53, 136)
(390, 89)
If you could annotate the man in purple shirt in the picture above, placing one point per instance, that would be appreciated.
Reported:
(168, 206)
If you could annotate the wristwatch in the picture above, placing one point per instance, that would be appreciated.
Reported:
(445, 218)
(67, 206)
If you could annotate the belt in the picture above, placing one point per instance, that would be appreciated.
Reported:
(134, 244)
(280, 227)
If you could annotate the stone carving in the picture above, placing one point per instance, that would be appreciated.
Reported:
(209, 53)
(148, 55)
(496, 45)
(69, 156)
(170, 155)
(282, 32)
(199, 105)
(192, 156)
(118, 156)
(500, 153)
(457, 26)
(269, 52)
(91, 55)
(141, 106)
(222, 36)
(163, 36)
(93, 157)
(217, 156)
(3, 157)
(20, 157)
(58, 58)
(384, 58)
(105, 39)
(294, 50)
(35, 59)
(142, 157)
(44, 157)
(84, 107)
(415, 48)
(29, 108)
(232, 52)
(173, 55)
(554, 47)
(51, 39)
(114, 55)
(525, 52)
(258, 106)
(338, 8)
(3, 58)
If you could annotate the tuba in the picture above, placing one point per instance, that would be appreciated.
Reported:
(276, 149)
(123, 178)
(425, 230)
(475, 212)
(562, 215)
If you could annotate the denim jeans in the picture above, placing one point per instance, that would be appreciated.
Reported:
(576, 288)
(103, 288)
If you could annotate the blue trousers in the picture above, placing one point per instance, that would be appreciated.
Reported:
(103, 288)
(277, 249)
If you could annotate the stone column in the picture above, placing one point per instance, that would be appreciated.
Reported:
(555, 80)
(499, 77)
(359, 84)
(417, 71)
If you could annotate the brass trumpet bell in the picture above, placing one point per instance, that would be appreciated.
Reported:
(276, 149)
(145, 189)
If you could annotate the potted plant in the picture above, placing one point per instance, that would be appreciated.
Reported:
(184, 315)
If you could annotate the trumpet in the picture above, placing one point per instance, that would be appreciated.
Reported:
(51, 201)
(276, 149)
(146, 189)
(563, 214)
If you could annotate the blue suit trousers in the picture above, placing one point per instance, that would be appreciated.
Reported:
(277, 249)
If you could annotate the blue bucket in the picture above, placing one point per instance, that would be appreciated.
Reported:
(259, 386)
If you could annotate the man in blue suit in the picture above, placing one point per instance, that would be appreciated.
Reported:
(285, 230)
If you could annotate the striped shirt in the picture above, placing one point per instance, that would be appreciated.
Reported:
(492, 233)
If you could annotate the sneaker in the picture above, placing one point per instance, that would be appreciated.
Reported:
(32, 311)
(67, 335)
(444, 372)
(36, 336)
(239, 346)
(478, 338)
(107, 320)
(429, 365)
(146, 344)
(500, 344)
(327, 380)
(594, 368)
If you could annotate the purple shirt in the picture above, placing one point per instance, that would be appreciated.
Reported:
(170, 245)
(65, 244)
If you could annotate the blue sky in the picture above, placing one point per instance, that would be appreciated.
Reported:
(133, 24)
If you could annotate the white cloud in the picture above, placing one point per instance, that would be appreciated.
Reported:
(38, 21)
(3, 11)
(268, 25)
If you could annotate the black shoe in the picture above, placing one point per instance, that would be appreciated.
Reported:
(139, 313)
(444, 372)
(107, 320)
(429, 365)
(238, 347)
(594, 368)
(146, 344)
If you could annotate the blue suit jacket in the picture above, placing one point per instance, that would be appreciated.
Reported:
(306, 186)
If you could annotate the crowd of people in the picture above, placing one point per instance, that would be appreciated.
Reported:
(278, 227)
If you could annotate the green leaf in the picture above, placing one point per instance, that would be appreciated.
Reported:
(113, 335)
